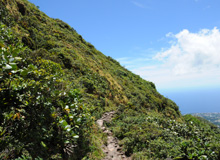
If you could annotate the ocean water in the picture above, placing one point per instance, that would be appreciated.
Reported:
(197, 100)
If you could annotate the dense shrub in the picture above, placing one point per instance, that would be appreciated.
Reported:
(39, 110)
(50, 85)
(148, 136)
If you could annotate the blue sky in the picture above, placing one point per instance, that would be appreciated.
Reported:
(173, 43)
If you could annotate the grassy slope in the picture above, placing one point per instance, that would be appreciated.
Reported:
(145, 118)
(104, 82)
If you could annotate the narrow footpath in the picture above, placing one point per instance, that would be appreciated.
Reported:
(113, 151)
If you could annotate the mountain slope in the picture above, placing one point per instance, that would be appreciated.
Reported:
(59, 60)
(100, 76)
(211, 117)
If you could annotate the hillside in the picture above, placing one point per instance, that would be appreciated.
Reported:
(54, 86)
(211, 117)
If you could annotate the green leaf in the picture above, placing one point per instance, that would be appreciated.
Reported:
(7, 67)
(71, 116)
(11, 59)
(64, 123)
(67, 127)
(2, 132)
(1, 45)
(76, 136)
(13, 65)
(24, 72)
(18, 58)
(43, 144)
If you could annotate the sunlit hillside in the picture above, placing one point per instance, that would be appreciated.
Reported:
(54, 85)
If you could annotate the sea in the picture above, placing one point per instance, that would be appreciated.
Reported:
(195, 100)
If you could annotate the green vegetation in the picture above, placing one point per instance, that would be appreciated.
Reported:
(54, 85)
(152, 136)
(38, 110)
(211, 117)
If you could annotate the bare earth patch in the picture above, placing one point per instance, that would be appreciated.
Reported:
(112, 150)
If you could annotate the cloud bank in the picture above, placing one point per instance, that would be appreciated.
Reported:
(192, 52)
(192, 60)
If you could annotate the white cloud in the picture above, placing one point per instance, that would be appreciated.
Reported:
(193, 59)
(193, 52)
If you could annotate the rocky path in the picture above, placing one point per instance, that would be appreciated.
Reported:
(113, 150)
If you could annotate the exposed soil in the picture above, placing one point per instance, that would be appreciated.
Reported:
(112, 150)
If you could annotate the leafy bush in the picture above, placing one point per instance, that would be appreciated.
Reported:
(38, 110)
(44, 116)
(152, 136)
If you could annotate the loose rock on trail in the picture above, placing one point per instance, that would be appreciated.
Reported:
(112, 150)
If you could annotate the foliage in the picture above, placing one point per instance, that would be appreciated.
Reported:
(148, 136)
(38, 111)
(54, 84)
(211, 117)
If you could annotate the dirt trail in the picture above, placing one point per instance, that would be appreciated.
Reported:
(113, 150)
